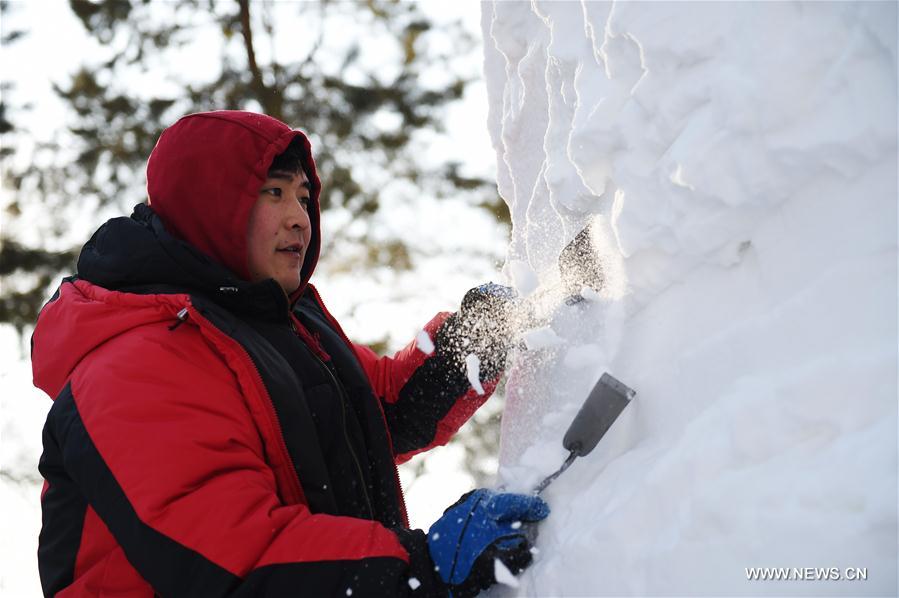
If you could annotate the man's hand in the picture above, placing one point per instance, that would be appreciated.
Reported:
(483, 326)
(489, 299)
(478, 529)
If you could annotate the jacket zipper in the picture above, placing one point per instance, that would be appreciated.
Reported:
(344, 398)
(396, 473)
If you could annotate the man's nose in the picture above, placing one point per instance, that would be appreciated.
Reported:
(298, 217)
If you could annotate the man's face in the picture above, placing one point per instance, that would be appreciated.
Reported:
(279, 230)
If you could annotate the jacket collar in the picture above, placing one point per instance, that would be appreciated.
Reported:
(139, 255)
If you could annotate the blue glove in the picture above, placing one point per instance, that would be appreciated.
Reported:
(483, 526)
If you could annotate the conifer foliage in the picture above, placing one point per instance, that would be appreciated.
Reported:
(360, 78)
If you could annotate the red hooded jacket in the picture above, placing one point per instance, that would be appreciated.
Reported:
(209, 435)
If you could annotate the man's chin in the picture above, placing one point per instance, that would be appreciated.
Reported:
(290, 287)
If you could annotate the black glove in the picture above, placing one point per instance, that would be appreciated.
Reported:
(483, 326)
(489, 299)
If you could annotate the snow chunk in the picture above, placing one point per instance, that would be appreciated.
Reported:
(473, 369)
(677, 177)
(541, 338)
(583, 356)
(424, 343)
(414, 583)
(503, 575)
(590, 294)
(524, 279)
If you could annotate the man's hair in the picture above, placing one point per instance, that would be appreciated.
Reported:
(291, 159)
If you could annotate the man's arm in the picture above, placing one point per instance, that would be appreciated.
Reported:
(163, 449)
(426, 396)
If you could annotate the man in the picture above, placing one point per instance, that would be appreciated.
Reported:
(214, 432)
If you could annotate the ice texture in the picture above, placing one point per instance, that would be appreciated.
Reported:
(737, 163)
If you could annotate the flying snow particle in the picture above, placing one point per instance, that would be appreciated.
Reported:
(541, 338)
(503, 575)
(435, 536)
(473, 369)
(349, 591)
(516, 525)
(414, 583)
(424, 343)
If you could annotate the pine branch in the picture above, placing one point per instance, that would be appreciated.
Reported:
(271, 102)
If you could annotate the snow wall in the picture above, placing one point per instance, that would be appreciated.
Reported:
(738, 162)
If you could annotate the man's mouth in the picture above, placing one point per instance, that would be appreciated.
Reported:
(295, 248)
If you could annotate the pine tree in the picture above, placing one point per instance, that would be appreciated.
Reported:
(363, 88)
(362, 111)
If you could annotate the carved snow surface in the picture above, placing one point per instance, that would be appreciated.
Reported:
(738, 164)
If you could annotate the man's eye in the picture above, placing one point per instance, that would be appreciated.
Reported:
(274, 191)
(304, 201)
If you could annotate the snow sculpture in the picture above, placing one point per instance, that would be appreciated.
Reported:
(738, 162)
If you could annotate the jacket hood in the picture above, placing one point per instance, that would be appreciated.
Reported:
(203, 178)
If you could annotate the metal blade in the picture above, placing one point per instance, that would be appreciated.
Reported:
(603, 406)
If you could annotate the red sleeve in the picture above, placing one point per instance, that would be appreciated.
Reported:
(426, 397)
(161, 441)
(388, 375)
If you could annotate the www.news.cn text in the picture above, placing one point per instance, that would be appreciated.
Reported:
(806, 573)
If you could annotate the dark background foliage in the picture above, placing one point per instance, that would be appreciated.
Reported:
(363, 117)
(113, 126)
